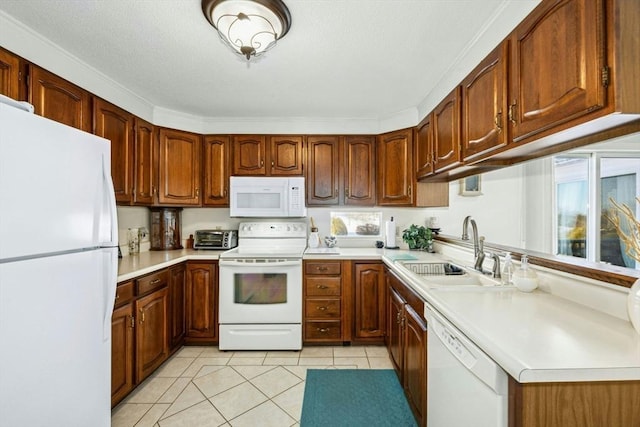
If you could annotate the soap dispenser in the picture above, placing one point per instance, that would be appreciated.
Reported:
(507, 270)
(525, 279)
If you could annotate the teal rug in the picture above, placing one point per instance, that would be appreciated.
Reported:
(354, 397)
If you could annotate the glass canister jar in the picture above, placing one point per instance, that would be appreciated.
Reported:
(165, 229)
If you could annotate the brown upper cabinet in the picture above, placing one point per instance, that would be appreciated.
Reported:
(267, 155)
(395, 168)
(424, 148)
(10, 75)
(446, 132)
(323, 170)
(359, 171)
(179, 168)
(557, 65)
(216, 170)
(57, 99)
(144, 164)
(574, 62)
(341, 170)
(116, 125)
(484, 106)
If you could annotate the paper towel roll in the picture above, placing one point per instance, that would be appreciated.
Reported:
(390, 233)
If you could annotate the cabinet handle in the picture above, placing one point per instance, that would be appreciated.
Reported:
(224, 192)
(323, 269)
(322, 308)
(512, 113)
(197, 192)
(498, 121)
(322, 287)
(117, 297)
(398, 317)
(323, 330)
(273, 163)
(261, 162)
(132, 322)
(141, 316)
(155, 281)
(346, 192)
(409, 191)
(335, 193)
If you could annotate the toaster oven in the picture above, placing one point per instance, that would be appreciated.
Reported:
(215, 239)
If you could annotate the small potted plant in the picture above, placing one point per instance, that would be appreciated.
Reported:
(418, 237)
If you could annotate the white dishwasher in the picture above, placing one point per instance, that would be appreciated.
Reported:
(465, 387)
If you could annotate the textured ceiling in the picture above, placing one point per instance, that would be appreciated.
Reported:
(341, 58)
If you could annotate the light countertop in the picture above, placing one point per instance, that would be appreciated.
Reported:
(534, 337)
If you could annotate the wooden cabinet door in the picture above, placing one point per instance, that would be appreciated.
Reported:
(484, 106)
(216, 170)
(57, 99)
(152, 333)
(424, 148)
(285, 155)
(370, 301)
(446, 132)
(395, 336)
(249, 155)
(10, 75)
(323, 170)
(122, 334)
(202, 302)
(557, 60)
(144, 168)
(177, 304)
(179, 168)
(415, 363)
(116, 125)
(395, 168)
(360, 170)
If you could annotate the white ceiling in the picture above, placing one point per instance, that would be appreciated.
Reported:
(360, 59)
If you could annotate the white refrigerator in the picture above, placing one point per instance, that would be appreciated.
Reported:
(58, 273)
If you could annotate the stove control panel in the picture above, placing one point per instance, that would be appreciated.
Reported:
(272, 229)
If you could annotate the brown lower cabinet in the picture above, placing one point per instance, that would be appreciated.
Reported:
(407, 344)
(140, 331)
(177, 305)
(369, 307)
(122, 341)
(201, 302)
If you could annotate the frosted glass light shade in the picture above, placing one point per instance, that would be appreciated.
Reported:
(249, 27)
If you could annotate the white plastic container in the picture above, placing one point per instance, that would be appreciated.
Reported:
(507, 270)
(314, 238)
(525, 279)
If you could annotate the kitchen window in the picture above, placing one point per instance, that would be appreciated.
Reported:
(356, 224)
(584, 187)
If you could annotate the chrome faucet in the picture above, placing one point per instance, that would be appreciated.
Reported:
(478, 243)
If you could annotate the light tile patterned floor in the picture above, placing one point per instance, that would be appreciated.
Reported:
(203, 386)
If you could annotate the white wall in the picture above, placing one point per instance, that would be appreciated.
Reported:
(498, 212)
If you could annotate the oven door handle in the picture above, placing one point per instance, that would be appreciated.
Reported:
(260, 263)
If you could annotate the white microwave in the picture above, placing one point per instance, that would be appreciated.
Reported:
(267, 197)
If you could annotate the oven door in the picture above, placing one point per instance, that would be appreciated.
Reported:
(260, 291)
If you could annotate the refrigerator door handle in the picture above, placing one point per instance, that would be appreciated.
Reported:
(109, 219)
(110, 283)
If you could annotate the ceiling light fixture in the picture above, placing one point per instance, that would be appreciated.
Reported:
(249, 27)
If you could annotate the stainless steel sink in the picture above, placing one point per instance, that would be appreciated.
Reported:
(443, 274)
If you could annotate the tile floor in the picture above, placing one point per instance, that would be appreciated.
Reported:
(203, 386)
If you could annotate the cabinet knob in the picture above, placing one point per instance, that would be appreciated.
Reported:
(512, 112)
(322, 286)
(498, 121)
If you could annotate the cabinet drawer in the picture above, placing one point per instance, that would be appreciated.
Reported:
(124, 293)
(326, 268)
(152, 281)
(322, 308)
(323, 330)
(322, 286)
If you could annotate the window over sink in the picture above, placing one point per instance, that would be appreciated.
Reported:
(356, 224)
